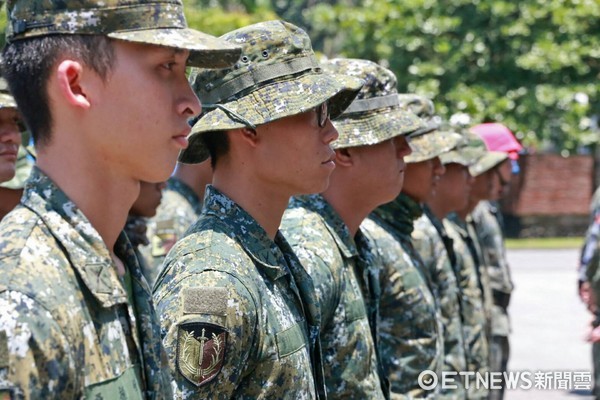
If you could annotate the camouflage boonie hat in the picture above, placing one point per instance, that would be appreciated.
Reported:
(22, 171)
(277, 76)
(484, 159)
(424, 108)
(375, 115)
(6, 99)
(157, 22)
(462, 154)
(430, 145)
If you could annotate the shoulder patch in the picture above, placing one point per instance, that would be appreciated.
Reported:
(205, 300)
(200, 351)
(3, 350)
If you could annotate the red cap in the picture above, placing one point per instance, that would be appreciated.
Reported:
(498, 137)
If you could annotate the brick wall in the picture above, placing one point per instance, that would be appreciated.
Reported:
(550, 197)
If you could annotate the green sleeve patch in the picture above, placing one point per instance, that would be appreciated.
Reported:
(3, 350)
(290, 340)
(205, 300)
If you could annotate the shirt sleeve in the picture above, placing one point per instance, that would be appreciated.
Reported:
(209, 327)
(35, 356)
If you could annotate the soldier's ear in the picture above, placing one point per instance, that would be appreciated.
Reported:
(344, 158)
(69, 74)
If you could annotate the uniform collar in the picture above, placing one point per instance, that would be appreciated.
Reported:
(245, 230)
(336, 227)
(179, 186)
(400, 213)
(85, 249)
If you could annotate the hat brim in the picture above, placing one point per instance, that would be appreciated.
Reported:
(206, 51)
(7, 101)
(375, 126)
(463, 156)
(488, 161)
(430, 145)
(272, 102)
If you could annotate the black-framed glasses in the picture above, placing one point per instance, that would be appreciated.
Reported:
(322, 111)
(503, 182)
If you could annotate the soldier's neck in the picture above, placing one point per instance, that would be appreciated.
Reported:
(265, 202)
(353, 206)
(104, 199)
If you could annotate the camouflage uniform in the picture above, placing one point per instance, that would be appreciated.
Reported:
(430, 239)
(73, 328)
(410, 331)
(588, 272)
(341, 266)
(472, 306)
(179, 208)
(488, 232)
(239, 314)
(91, 335)
(228, 289)
(432, 259)
(341, 269)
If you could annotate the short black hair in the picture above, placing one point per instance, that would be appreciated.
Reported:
(217, 143)
(27, 65)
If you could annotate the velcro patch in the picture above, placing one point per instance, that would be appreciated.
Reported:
(205, 300)
(4, 362)
(200, 351)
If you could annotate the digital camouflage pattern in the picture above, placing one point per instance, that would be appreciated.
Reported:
(472, 307)
(429, 243)
(375, 114)
(491, 241)
(592, 236)
(430, 145)
(340, 269)
(231, 304)
(423, 108)
(159, 22)
(70, 327)
(6, 99)
(411, 334)
(277, 76)
(485, 159)
(179, 208)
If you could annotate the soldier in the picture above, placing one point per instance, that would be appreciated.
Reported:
(10, 136)
(103, 90)
(238, 312)
(324, 229)
(179, 208)
(12, 190)
(487, 225)
(412, 336)
(453, 195)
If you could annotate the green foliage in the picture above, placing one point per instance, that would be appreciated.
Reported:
(533, 65)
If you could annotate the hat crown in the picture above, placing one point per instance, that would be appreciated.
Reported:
(28, 18)
(270, 50)
(420, 105)
(379, 81)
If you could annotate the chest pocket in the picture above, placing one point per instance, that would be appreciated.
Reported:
(290, 341)
(124, 387)
(355, 309)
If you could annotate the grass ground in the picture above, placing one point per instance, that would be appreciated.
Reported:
(545, 243)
